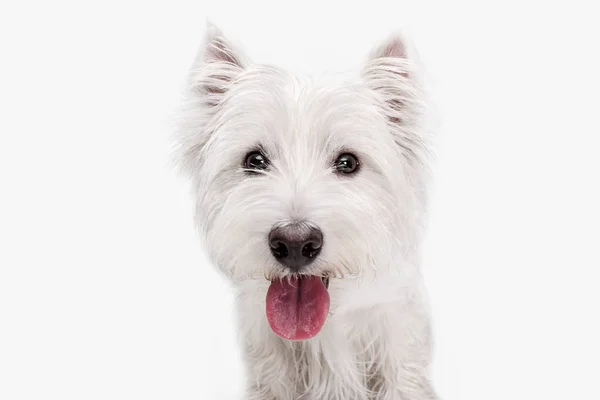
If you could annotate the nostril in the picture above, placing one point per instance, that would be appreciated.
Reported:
(311, 249)
(279, 249)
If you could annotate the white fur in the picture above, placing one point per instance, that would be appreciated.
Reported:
(376, 341)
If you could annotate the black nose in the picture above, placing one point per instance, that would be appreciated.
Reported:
(295, 246)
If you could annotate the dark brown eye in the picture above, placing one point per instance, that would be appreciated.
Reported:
(346, 163)
(256, 161)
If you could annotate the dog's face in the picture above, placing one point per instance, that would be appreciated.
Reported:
(301, 178)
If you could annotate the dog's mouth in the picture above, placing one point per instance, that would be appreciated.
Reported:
(297, 306)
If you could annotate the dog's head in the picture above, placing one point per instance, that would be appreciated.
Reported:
(299, 178)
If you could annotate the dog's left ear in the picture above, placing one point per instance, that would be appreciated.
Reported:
(392, 76)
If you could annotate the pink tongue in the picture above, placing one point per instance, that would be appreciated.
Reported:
(297, 308)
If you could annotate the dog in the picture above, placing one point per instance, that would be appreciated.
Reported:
(311, 198)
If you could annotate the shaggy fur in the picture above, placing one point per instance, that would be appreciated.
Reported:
(376, 342)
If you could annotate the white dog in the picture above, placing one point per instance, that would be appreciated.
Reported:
(311, 198)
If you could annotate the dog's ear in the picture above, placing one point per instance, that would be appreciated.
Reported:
(392, 75)
(217, 64)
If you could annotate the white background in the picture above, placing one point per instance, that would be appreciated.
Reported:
(104, 293)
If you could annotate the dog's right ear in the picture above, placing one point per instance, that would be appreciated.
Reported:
(217, 65)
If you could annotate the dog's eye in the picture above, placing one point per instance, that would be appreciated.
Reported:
(256, 161)
(346, 163)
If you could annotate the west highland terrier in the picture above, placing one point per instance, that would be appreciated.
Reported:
(310, 198)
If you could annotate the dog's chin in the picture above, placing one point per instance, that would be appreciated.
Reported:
(297, 306)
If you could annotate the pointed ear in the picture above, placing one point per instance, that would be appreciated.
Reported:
(388, 73)
(391, 75)
(393, 47)
(217, 64)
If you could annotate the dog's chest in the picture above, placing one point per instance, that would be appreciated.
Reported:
(328, 371)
